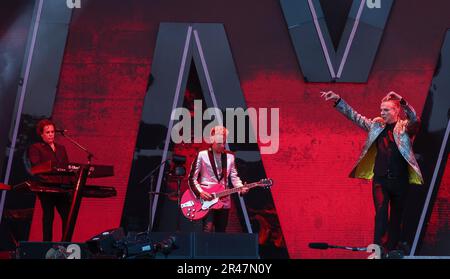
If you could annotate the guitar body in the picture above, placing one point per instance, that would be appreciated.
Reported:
(194, 208)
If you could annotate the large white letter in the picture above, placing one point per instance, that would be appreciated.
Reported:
(198, 121)
(374, 4)
(218, 120)
(240, 115)
(184, 124)
(274, 139)
(73, 4)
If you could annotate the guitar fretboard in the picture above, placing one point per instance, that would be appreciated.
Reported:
(236, 189)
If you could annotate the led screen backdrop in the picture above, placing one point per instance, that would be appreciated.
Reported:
(103, 84)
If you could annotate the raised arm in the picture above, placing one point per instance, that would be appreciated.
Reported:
(413, 120)
(347, 110)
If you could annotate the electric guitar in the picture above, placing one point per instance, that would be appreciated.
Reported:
(195, 208)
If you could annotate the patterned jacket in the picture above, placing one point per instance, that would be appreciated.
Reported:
(404, 132)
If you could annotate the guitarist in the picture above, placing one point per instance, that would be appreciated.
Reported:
(215, 166)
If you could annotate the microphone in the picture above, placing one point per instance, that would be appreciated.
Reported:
(318, 245)
(62, 131)
(324, 246)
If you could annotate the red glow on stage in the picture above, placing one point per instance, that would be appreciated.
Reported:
(103, 85)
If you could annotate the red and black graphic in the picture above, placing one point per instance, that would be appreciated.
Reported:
(431, 230)
(203, 49)
(97, 71)
(319, 56)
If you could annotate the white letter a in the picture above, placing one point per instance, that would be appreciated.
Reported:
(73, 4)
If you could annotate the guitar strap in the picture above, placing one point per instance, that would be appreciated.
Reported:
(214, 167)
(213, 163)
(224, 168)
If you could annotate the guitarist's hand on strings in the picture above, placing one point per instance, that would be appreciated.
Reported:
(206, 196)
(244, 189)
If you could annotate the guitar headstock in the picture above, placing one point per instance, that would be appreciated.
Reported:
(265, 182)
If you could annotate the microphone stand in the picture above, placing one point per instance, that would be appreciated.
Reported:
(151, 193)
(178, 172)
(89, 154)
(82, 176)
(376, 249)
(348, 248)
(324, 246)
(178, 178)
(152, 172)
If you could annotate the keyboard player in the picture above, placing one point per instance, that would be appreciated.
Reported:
(48, 150)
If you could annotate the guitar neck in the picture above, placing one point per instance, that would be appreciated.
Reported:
(235, 190)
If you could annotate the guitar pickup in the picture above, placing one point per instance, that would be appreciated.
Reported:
(187, 204)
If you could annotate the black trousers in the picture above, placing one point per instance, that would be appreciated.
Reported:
(389, 197)
(216, 220)
(48, 202)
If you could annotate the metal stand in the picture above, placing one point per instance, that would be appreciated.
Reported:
(82, 175)
(178, 193)
(178, 172)
(152, 193)
(90, 155)
(75, 205)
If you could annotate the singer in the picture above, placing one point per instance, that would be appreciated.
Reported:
(44, 151)
(213, 166)
(388, 159)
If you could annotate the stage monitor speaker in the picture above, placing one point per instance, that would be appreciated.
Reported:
(174, 245)
(105, 243)
(225, 246)
(52, 250)
(182, 245)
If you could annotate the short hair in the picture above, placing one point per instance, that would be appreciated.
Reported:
(217, 131)
(41, 125)
(390, 98)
